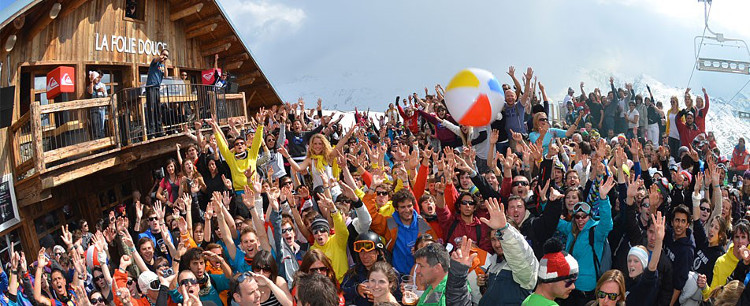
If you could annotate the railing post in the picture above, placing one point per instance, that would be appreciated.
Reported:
(36, 136)
(114, 114)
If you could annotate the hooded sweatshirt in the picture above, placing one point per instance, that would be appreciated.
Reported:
(681, 252)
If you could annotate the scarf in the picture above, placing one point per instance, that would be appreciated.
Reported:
(321, 162)
(205, 285)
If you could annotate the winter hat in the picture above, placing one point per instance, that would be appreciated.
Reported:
(556, 265)
(145, 281)
(640, 254)
(653, 171)
(318, 222)
(664, 187)
(687, 176)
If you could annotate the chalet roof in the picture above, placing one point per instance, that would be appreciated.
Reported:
(235, 55)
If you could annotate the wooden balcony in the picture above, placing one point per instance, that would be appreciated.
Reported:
(58, 143)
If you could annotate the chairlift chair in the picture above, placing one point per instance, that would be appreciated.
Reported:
(718, 39)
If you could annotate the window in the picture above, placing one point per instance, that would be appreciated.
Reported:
(111, 77)
(10, 241)
(135, 9)
(40, 94)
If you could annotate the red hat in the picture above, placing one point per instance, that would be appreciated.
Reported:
(556, 265)
(687, 176)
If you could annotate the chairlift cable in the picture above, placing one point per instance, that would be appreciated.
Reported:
(707, 13)
(738, 92)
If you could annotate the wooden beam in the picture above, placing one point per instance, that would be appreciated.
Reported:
(215, 50)
(43, 20)
(84, 147)
(202, 31)
(204, 23)
(67, 176)
(246, 81)
(36, 137)
(234, 65)
(238, 57)
(74, 105)
(186, 12)
(219, 42)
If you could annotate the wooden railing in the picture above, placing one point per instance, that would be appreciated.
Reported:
(57, 133)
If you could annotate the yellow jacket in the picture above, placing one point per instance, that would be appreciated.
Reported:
(238, 166)
(723, 268)
(335, 248)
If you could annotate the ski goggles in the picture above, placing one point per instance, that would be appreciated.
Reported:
(365, 246)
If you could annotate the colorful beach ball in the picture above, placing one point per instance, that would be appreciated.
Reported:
(473, 97)
(94, 258)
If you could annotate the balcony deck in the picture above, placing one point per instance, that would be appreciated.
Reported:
(58, 143)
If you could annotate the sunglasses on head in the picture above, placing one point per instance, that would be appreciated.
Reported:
(582, 207)
(95, 301)
(364, 246)
(188, 282)
(611, 296)
(319, 270)
(520, 183)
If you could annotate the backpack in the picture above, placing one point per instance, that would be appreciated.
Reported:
(606, 261)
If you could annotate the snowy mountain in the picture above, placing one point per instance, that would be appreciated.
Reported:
(341, 94)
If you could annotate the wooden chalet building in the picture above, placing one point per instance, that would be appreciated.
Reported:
(67, 156)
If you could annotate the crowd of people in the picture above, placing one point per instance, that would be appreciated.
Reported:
(619, 203)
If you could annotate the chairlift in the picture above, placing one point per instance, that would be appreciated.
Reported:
(718, 39)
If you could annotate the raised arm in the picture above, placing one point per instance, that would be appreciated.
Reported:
(659, 224)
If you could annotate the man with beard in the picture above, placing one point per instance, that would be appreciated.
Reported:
(197, 282)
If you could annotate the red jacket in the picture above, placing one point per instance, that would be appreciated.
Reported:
(411, 122)
(687, 133)
(447, 218)
(739, 159)
(700, 116)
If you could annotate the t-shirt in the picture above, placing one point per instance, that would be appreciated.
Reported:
(631, 116)
(239, 264)
(551, 134)
(155, 73)
(537, 300)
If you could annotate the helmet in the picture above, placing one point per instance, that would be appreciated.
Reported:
(368, 241)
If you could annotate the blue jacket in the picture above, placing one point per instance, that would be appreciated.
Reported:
(582, 250)
(407, 236)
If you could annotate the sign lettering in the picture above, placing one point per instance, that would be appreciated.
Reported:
(123, 44)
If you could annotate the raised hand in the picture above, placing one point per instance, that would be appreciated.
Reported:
(463, 254)
(511, 71)
(659, 225)
(248, 198)
(606, 187)
(497, 214)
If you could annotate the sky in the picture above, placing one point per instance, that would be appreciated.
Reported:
(354, 53)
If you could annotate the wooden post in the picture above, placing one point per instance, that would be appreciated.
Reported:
(114, 115)
(244, 105)
(36, 136)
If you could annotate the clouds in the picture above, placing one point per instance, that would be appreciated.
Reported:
(262, 21)
(365, 53)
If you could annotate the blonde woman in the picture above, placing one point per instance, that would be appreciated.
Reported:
(672, 132)
(610, 289)
(321, 158)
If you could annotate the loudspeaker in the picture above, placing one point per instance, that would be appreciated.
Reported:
(232, 86)
(7, 100)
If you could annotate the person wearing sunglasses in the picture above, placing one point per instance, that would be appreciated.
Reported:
(642, 282)
(461, 220)
(558, 272)
(610, 290)
(542, 127)
(274, 290)
(316, 262)
(102, 283)
(334, 246)
(96, 299)
(578, 241)
(197, 282)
